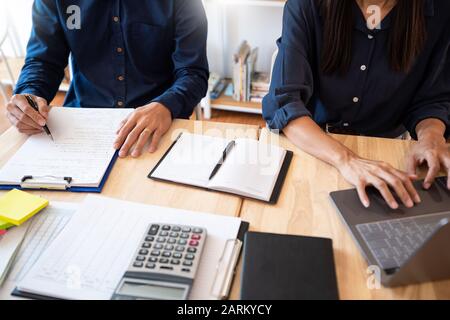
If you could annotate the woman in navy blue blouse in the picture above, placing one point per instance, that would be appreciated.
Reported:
(375, 67)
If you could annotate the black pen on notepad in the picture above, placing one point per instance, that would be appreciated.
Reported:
(35, 107)
(227, 150)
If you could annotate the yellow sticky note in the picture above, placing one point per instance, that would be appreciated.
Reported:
(17, 206)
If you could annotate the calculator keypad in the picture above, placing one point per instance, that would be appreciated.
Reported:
(170, 249)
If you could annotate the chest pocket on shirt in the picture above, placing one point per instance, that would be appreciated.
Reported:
(150, 47)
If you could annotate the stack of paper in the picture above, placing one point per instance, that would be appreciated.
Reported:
(16, 208)
(91, 254)
(9, 245)
(17, 256)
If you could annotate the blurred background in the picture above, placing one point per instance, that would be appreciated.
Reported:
(241, 47)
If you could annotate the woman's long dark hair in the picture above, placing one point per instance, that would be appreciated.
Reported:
(406, 40)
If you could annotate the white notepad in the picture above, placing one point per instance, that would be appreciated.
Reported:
(91, 254)
(82, 148)
(251, 169)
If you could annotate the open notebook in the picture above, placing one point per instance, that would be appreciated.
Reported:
(82, 150)
(251, 169)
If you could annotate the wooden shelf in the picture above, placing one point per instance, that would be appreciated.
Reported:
(229, 104)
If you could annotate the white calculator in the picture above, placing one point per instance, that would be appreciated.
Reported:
(164, 265)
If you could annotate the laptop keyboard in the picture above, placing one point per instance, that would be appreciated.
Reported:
(392, 242)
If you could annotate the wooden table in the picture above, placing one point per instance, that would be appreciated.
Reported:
(304, 208)
(128, 179)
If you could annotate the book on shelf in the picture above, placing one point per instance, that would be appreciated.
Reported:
(248, 84)
(251, 63)
(243, 70)
(259, 87)
(239, 70)
(261, 81)
(256, 99)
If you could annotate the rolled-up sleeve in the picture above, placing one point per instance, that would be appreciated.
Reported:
(47, 53)
(292, 82)
(432, 100)
(189, 58)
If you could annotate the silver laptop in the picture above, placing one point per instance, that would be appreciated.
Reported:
(409, 245)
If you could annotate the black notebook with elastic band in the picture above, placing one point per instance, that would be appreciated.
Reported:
(285, 267)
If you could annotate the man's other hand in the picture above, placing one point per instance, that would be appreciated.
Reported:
(150, 121)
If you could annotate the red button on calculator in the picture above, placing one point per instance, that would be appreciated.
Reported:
(193, 243)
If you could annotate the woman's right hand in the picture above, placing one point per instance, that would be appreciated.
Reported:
(363, 173)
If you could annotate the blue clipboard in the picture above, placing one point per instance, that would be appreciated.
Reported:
(74, 189)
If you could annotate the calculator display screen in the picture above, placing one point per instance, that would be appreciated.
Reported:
(151, 291)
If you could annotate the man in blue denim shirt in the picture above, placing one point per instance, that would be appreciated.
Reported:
(144, 54)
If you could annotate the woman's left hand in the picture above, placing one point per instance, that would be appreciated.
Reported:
(433, 150)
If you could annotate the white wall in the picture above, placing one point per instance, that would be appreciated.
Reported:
(261, 26)
(18, 14)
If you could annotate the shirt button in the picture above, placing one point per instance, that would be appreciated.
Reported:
(119, 50)
(363, 67)
(116, 19)
(370, 36)
(355, 99)
(120, 78)
(120, 103)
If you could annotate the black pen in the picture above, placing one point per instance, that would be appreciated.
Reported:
(222, 160)
(35, 107)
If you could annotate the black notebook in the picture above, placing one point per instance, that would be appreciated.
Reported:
(250, 169)
(285, 267)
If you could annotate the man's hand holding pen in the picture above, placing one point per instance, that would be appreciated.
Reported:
(29, 114)
(24, 117)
